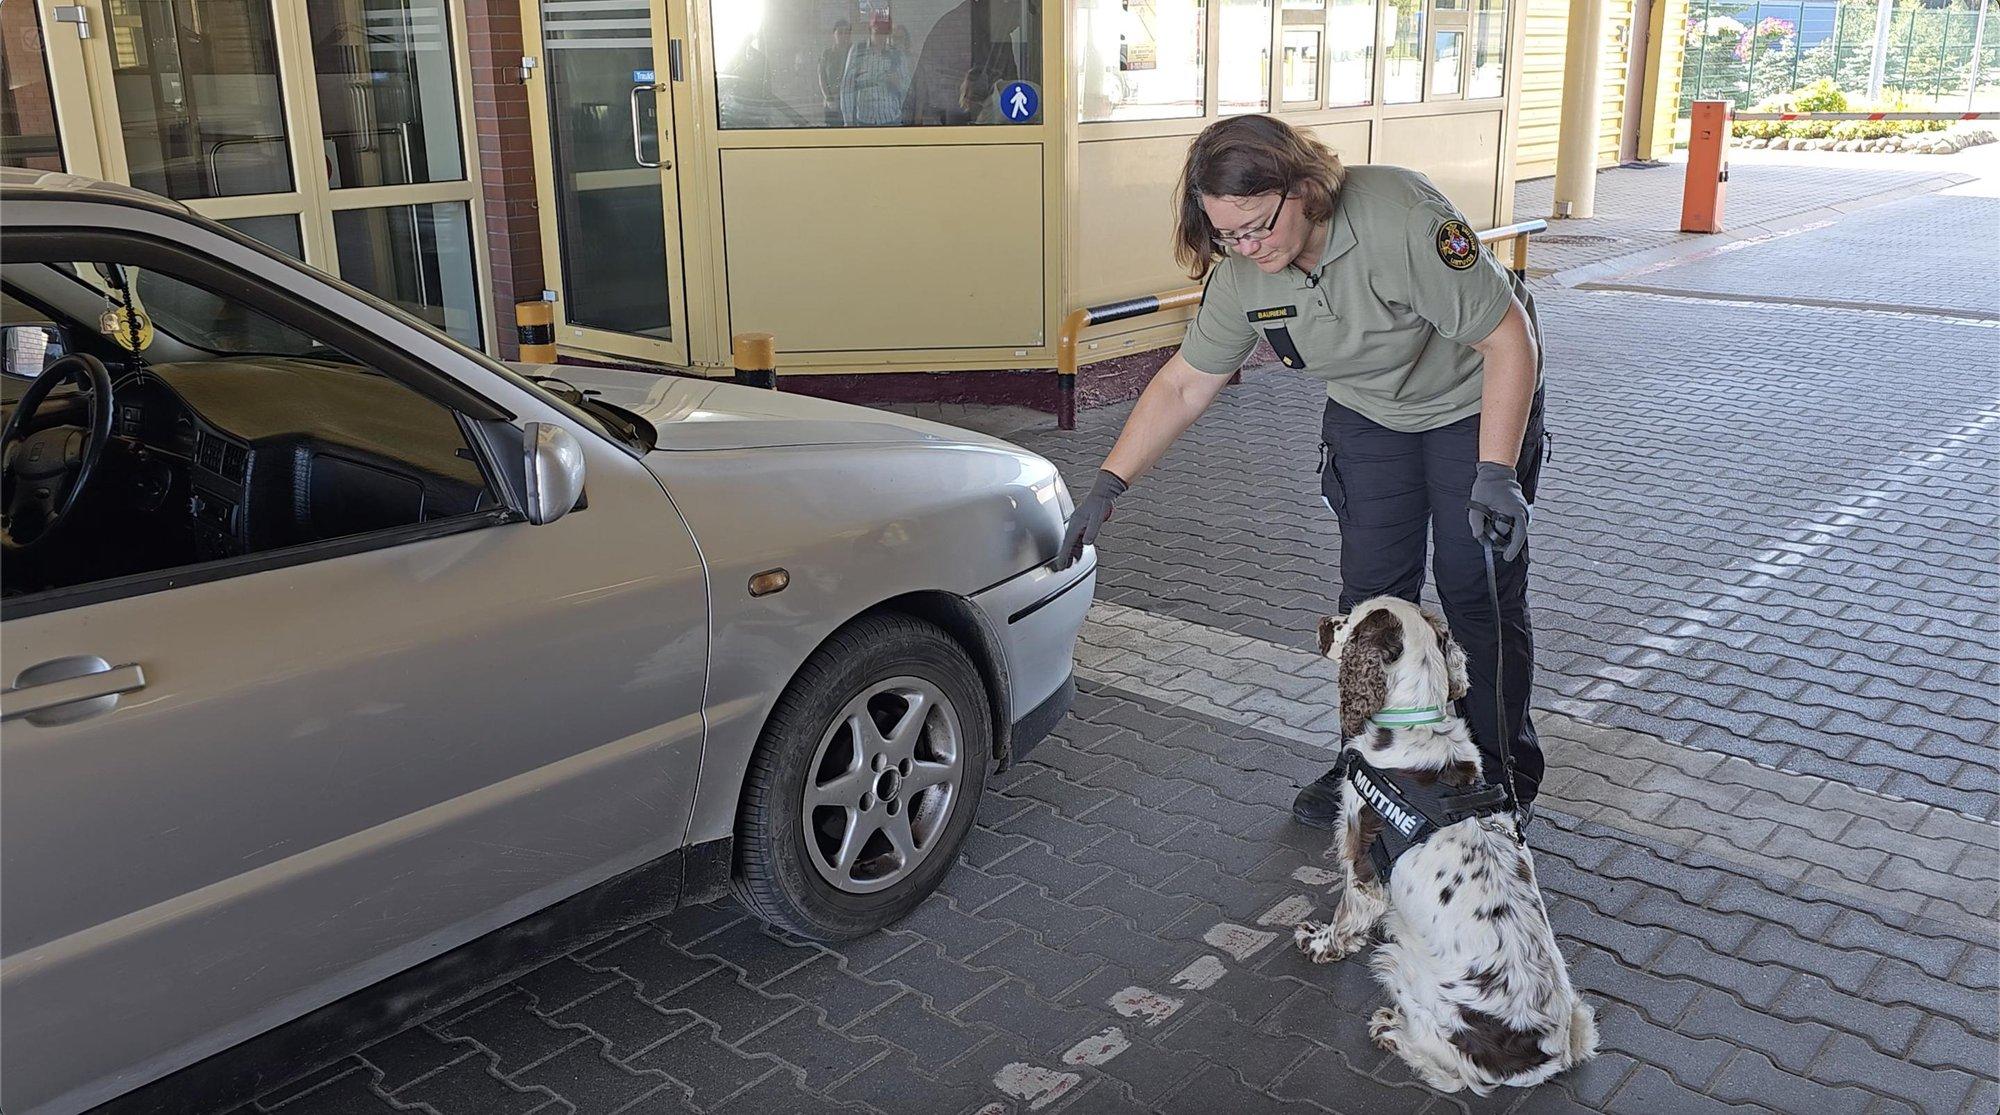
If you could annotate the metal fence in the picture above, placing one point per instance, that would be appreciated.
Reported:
(1750, 52)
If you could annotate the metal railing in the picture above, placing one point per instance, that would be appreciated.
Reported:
(1078, 320)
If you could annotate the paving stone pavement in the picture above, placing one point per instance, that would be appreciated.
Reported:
(1639, 207)
(1765, 595)
(1950, 273)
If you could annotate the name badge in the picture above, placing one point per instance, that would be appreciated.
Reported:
(1274, 313)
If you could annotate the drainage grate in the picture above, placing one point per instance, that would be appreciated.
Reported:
(1572, 239)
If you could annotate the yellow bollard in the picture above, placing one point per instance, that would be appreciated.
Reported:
(756, 359)
(535, 330)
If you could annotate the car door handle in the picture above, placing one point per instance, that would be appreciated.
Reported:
(68, 689)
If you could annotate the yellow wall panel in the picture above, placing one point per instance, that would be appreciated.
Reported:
(1125, 218)
(1125, 211)
(1349, 140)
(1547, 42)
(1668, 51)
(857, 249)
(1460, 154)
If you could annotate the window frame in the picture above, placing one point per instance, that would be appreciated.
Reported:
(484, 424)
(1470, 57)
(1448, 21)
(1288, 26)
(1210, 98)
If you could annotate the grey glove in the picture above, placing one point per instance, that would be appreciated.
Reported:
(1497, 510)
(1089, 517)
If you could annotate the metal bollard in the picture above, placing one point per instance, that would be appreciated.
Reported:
(1708, 167)
(756, 356)
(535, 331)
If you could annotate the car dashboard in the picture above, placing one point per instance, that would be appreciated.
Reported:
(217, 459)
(279, 451)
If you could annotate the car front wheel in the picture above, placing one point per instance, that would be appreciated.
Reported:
(865, 781)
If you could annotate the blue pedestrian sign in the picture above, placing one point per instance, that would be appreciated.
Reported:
(1020, 102)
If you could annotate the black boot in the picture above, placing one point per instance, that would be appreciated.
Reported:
(1318, 805)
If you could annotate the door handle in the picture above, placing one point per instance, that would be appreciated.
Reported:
(638, 148)
(65, 690)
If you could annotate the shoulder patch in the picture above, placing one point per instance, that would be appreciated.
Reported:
(1457, 245)
(1273, 313)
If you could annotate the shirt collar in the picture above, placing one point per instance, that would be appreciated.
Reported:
(1339, 238)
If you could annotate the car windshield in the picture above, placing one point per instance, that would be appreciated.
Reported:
(195, 317)
(203, 324)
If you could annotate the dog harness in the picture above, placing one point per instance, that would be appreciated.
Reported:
(1412, 814)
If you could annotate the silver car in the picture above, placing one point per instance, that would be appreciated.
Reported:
(331, 646)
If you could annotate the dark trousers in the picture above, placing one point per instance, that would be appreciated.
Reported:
(1391, 491)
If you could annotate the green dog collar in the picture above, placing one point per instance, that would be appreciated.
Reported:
(1408, 717)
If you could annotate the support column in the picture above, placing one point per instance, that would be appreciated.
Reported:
(1978, 44)
(506, 160)
(1582, 111)
(1878, 55)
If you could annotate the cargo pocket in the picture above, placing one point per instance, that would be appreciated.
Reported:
(1330, 491)
(1537, 448)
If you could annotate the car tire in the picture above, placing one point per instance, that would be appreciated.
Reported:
(864, 783)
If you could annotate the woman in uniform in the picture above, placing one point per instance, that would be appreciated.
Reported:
(1369, 279)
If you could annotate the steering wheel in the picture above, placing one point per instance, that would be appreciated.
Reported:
(44, 472)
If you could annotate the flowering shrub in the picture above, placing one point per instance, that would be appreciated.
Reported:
(1771, 34)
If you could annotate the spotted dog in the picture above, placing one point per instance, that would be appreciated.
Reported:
(1481, 997)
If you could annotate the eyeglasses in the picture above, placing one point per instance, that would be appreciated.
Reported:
(1255, 235)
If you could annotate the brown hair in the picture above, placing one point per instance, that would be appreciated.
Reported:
(1241, 157)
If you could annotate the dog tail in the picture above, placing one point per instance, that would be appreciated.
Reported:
(1582, 1032)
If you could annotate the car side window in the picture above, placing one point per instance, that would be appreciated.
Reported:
(234, 433)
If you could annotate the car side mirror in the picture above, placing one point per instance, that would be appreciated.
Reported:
(554, 471)
(30, 349)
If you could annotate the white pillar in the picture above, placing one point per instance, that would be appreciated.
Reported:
(1878, 60)
(1582, 111)
(1978, 44)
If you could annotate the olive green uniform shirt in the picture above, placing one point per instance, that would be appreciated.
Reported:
(1387, 318)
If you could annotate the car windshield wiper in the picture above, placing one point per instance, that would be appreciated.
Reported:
(620, 422)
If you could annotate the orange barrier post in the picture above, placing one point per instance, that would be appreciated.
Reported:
(1708, 167)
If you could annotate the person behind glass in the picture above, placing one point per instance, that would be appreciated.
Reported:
(877, 79)
(1369, 279)
(832, 66)
(969, 54)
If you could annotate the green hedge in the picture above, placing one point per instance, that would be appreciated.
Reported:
(1824, 96)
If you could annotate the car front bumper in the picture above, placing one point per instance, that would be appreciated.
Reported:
(1038, 616)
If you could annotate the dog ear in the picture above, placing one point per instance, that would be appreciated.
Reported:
(1364, 671)
(1454, 657)
(1328, 627)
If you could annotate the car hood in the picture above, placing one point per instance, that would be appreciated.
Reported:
(695, 414)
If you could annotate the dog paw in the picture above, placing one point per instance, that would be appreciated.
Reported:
(1385, 1028)
(1317, 942)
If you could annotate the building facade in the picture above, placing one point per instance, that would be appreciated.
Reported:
(888, 186)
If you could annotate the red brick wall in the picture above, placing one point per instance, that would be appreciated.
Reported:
(506, 159)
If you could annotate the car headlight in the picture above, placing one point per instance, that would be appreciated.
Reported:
(1064, 503)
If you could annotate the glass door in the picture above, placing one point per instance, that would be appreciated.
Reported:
(332, 130)
(610, 194)
(45, 114)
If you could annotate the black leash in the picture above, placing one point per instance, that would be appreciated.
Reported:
(1486, 540)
